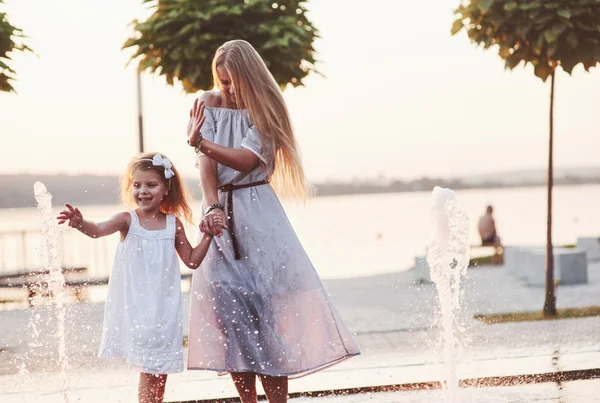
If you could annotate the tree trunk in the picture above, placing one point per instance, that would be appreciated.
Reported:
(550, 302)
(140, 118)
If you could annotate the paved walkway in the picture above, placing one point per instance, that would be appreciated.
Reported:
(585, 391)
(394, 319)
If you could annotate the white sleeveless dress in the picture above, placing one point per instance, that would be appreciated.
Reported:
(143, 320)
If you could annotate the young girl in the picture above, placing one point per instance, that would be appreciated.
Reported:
(143, 315)
(258, 307)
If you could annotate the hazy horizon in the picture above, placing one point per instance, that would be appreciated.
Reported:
(558, 170)
(401, 98)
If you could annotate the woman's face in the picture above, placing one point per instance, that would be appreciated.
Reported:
(226, 85)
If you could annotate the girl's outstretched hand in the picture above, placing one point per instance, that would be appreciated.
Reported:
(196, 121)
(72, 215)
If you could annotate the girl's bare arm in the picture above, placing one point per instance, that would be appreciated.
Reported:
(191, 257)
(119, 222)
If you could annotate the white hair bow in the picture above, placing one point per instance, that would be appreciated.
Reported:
(158, 160)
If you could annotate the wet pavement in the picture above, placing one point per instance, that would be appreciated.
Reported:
(581, 391)
(395, 322)
(358, 377)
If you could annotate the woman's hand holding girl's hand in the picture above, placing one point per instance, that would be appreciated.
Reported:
(72, 214)
(213, 223)
(196, 120)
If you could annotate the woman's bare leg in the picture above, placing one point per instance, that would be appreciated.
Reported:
(245, 383)
(151, 388)
(276, 388)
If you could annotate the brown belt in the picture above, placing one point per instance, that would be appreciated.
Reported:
(229, 189)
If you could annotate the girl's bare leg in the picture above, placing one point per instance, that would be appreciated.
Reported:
(276, 388)
(245, 383)
(151, 388)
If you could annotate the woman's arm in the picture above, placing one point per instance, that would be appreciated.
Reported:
(119, 222)
(207, 169)
(240, 159)
(191, 257)
(208, 183)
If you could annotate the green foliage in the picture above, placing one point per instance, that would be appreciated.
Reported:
(181, 36)
(482, 261)
(8, 35)
(566, 313)
(545, 33)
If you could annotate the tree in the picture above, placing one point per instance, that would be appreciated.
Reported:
(547, 34)
(8, 35)
(181, 36)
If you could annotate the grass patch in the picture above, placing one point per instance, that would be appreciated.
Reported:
(566, 313)
(485, 261)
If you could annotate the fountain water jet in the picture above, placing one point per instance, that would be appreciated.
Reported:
(448, 259)
(51, 235)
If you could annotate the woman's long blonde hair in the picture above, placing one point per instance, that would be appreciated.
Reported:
(257, 91)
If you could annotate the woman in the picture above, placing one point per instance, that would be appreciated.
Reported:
(258, 307)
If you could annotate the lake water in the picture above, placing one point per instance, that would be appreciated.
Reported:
(348, 236)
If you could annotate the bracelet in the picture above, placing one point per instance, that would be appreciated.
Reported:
(216, 206)
(198, 143)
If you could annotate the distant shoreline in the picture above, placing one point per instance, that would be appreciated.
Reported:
(104, 190)
(325, 191)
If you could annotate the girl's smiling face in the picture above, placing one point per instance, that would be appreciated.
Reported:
(148, 190)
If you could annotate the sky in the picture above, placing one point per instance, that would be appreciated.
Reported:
(400, 97)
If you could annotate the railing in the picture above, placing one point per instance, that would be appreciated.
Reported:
(23, 250)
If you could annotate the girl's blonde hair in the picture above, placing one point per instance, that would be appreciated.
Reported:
(257, 92)
(176, 200)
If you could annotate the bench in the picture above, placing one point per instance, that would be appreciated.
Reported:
(498, 251)
(36, 281)
(528, 263)
(592, 247)
(515, 258)
(421, 267)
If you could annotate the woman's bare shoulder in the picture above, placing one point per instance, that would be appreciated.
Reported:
(212, 99)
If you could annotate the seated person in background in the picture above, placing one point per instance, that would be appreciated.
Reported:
(487, 231)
